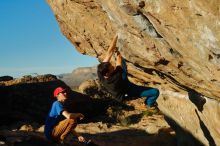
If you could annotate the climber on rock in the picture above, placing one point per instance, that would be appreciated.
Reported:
(115, 81)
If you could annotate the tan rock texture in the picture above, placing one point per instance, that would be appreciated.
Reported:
(172, 45)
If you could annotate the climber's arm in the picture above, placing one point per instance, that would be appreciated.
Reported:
(111, 49)
(118, 59)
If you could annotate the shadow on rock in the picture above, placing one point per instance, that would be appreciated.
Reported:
(206, 131)
(133, 137)
(184, 138)
(195, 97)
(27, 101)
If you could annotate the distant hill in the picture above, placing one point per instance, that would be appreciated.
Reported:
(78, 75)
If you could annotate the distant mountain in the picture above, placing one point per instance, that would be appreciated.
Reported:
(78, 75)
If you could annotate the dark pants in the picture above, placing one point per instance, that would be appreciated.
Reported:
(133, 90)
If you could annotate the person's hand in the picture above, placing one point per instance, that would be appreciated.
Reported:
(81, 139)
(114, 41)
(115, 37)
(117, 53)
(81, 116)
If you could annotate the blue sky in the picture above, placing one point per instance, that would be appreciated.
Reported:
(31, 41)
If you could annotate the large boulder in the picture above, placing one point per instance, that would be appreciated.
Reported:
(29, 99)
(5, 78)
(94, 89)
(172, 45)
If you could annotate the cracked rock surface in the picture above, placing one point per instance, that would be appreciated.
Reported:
(171, 45)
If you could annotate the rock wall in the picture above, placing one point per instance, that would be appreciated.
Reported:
(28, 99)
(172, 45)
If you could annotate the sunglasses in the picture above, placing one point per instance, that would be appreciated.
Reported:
(63, 92)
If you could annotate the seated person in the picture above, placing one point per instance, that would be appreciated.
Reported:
(60, 122)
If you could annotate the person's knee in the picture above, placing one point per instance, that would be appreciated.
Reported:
(72, 122)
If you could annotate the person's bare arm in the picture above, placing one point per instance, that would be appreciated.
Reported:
(118, 59)
(111, 49)
(69, 115)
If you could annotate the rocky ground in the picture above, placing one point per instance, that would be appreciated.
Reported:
(137, 127)
(26, 101)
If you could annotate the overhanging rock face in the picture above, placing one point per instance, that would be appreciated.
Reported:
(171, 45)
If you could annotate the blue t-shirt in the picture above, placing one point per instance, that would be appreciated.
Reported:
(54, 117)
